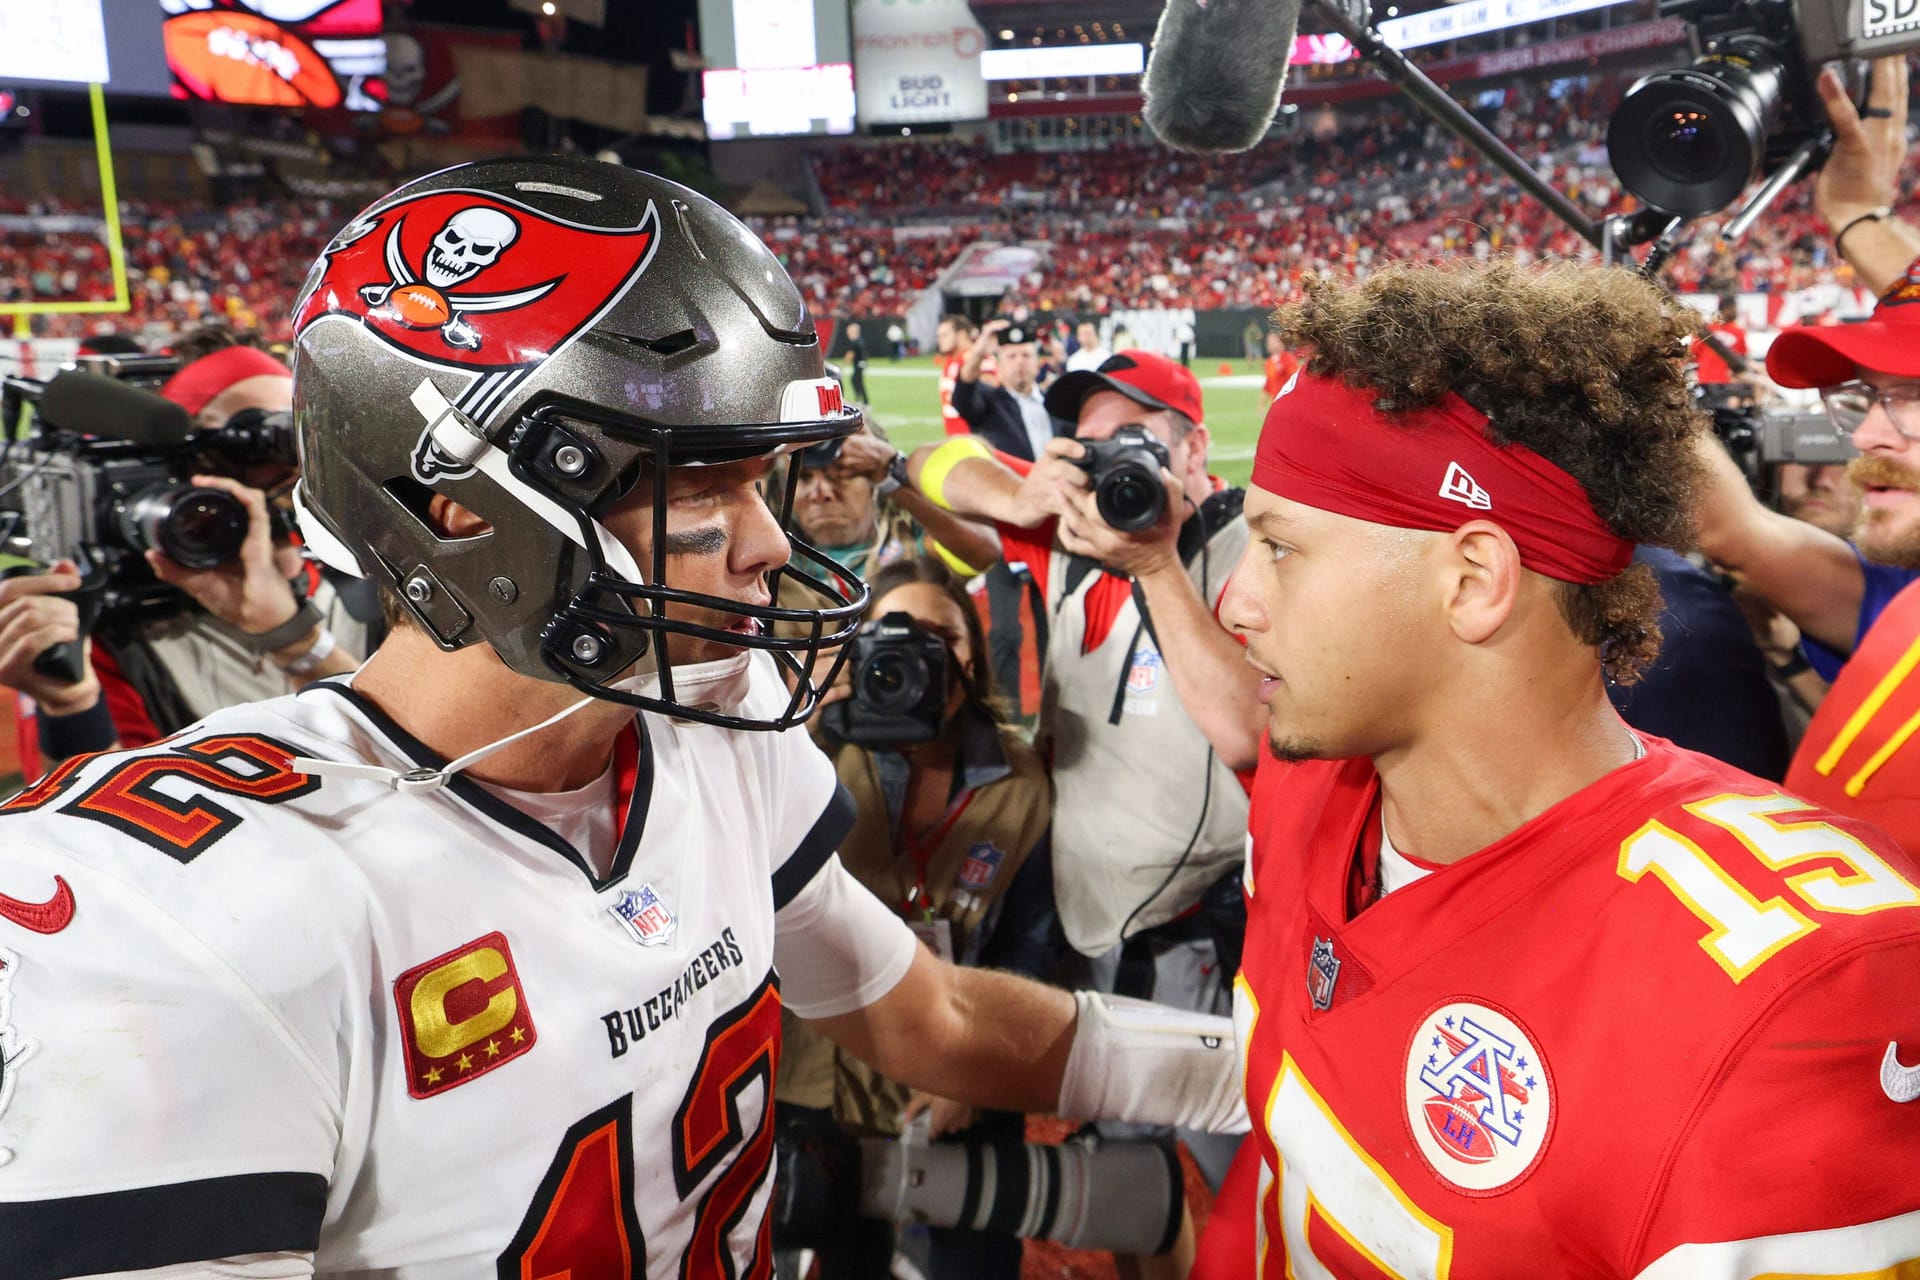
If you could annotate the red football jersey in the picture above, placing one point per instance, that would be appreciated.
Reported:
(1646, 1034)
(1859, 755)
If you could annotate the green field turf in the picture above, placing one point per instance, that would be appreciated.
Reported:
(906, 401)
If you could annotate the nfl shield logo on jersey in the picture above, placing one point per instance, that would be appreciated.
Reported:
(646, 916)
(1323, 970)
(982, 864)
(1479, 1096)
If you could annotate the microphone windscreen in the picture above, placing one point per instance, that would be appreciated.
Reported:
(1214, 79)
(100, 406)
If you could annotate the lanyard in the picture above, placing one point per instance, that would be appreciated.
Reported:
(916, 902)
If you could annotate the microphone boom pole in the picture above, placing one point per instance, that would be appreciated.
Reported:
(1431, 98)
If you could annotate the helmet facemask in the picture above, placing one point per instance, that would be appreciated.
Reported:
(610, 640)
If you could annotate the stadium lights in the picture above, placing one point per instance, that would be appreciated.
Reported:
(1006, 33)
(549, 9)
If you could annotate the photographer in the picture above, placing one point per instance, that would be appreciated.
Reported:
(260, 625)
(851, 504)
(1147, 707)
(951, 830)
(1014, 419)
(1850, 599)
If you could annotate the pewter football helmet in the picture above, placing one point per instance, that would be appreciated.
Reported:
(531, 337)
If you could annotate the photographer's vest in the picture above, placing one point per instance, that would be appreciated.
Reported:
(1146, 815)
(192, 664)
(967, 865)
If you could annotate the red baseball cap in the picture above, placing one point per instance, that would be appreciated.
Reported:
(1827, 355)
(1141, 376)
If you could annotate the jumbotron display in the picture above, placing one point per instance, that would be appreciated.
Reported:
(776, 68)
(275, 53)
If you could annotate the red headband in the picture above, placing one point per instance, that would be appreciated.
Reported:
(195, 386)
(1326, 445)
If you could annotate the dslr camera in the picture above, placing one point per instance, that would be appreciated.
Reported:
(1125, 471)
(1687, 141)
(900, 682)
(103, 476)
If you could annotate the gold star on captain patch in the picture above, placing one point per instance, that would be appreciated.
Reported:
(493, 1048)
(432, 1075)
(518, 1035)
(464, 1062)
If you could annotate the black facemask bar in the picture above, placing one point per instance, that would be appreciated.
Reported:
(607, 605)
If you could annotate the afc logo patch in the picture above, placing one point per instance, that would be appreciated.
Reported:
(1479, 1097)
(461, 1015)
(982, 864)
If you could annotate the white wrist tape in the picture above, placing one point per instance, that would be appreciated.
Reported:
(1148, 1063)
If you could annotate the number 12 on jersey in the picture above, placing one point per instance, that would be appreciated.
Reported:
(1745, 931)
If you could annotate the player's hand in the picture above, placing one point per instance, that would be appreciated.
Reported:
(945, 1116)
(250, 592)
(32, 620)
(1084, 532)
(1054, 486)
(1863, 172)
(867, 455)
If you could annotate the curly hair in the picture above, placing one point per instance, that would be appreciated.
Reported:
(1581, 364)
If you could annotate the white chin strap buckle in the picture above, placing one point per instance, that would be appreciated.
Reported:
(414, 782)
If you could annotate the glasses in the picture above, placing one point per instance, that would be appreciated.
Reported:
(1849, 404)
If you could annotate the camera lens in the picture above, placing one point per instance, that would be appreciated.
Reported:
(891, 682)
(1687, 142)
(199, 528)
(1130, 497)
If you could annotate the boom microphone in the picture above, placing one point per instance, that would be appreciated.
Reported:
(88, 403)
(1214, 79)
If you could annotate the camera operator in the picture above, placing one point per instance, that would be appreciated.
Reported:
(1852, 599)
(952, 812)
(1013, 418)
(263, 623)
(1147, 706)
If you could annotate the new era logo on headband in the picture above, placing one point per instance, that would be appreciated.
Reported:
(1464, 489)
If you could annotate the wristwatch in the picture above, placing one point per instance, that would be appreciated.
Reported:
(896, 476)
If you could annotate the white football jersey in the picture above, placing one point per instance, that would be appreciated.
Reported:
(244, 1010)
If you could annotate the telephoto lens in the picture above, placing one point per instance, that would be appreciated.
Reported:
(200, 528)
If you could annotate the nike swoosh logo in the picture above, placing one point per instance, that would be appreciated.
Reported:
(1902, 1084)
(51, 916)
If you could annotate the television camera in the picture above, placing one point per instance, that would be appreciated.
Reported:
(103, 474)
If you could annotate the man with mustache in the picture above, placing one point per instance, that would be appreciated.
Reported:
(1851, 598)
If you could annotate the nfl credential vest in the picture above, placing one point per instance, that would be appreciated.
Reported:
(1137, 788)
(968, 868)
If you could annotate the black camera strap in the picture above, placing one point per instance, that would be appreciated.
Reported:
(143, 670)
(1196, 535)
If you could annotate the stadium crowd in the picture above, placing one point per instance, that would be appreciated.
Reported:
(1130, 227)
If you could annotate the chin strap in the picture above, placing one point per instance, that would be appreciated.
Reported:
(422, 781)
(725, 679)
